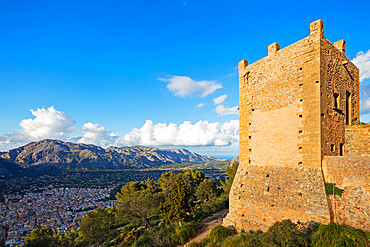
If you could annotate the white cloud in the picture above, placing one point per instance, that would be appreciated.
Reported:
(220, 99)
(222, 110)
(6, 142)
(51, 123)
(365, 106)
(364, 102)
(200, 105)
(97, 135)
(362, 61)
(202, 133)
(229, 151)
(185, 86)
(47, 123)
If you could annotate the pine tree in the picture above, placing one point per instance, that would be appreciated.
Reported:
(180, 202)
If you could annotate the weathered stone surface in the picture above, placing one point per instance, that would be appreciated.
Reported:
(357, 140)
(352, 175)
(296, 105)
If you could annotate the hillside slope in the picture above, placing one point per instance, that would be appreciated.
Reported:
(79, 155)
(8, 167)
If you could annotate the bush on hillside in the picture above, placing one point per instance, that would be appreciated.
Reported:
(218, 233)
(195, 244)
(42, 238)
(286, 233)
(213, 206)
(334, 235)
(161, 236)
(185, 233)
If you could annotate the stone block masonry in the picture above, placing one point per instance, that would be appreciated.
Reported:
(357, 140)
(352, 175)
(297, 105)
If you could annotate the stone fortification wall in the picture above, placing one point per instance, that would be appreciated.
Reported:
(357, 140)
(339, 88)
(263, 195)
(279, 175)
(352, 175)
(279, 108)
(297, 105)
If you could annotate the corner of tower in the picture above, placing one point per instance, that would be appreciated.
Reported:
(317, 29)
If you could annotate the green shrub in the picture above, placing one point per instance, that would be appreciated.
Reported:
(155, 237)
(285, 233)
(200, 214)
(142, 241)
(185, 233)
(219, 233)
(128, 233)
(213, 206)
(232, 242)
(42, 237)
(334, 235)
(329, 189)
(195, 244)
(161, 237)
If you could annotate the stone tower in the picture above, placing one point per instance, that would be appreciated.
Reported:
(296, 106)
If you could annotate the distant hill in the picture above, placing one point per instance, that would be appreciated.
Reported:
(8, 167)
(77, 155)
(235, 160)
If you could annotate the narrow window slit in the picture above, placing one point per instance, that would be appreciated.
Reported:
(336, 100)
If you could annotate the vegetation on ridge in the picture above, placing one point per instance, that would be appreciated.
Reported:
(167, 212)
(286, 233)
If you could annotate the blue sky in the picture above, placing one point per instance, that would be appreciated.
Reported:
(96, 70)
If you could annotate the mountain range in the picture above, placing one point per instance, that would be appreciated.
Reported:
(67, 155)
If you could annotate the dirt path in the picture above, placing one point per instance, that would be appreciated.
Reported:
(207, 225)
